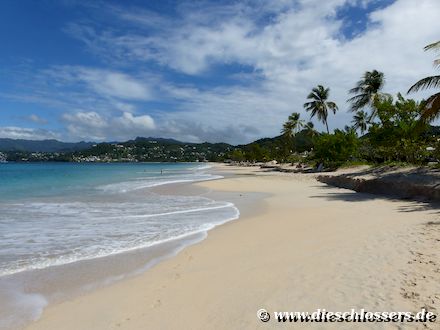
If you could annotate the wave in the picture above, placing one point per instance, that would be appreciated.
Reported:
(204, 167)
(65, 230)
(139, 184)
(81, 231)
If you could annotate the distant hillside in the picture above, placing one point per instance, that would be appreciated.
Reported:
(140, 149)
(163, 141)
(42, 146)
(153, 150)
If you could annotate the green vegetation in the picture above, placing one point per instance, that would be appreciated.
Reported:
(432, 105)
(336, 149)
(392, 130)
(360, 121)
(138, 150)
(319, 105)
(367, 92)
(400, 135)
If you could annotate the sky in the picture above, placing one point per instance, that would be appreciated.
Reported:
(216, 71)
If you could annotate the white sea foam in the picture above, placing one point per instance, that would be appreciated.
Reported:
(60, 234)
(204, 167)
(124, 187)
(39, 234)
(69, 225)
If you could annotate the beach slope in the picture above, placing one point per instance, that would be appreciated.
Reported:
(306, 246)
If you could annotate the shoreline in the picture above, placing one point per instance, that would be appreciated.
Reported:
(34, 290)
(263, 275)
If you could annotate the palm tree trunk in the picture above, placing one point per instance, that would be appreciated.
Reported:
(326, 125)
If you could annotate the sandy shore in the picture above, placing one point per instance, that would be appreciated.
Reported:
(306, 246)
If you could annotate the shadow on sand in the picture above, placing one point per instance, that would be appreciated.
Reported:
(342, 194)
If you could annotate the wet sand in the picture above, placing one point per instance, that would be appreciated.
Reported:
(301, 247)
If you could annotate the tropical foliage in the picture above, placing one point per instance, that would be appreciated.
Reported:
(367, 92)
(360, 121)
(337, 148)
(399, 135)
(391, 129)
(431, 109)
(292, 125)
(319, 105)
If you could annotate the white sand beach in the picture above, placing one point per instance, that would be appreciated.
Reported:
(305, 246)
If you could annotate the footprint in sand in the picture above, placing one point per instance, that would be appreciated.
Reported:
(157, 304)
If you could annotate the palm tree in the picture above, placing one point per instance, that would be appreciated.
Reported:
(360, 121)
(431, 109)
(367, 92)
(320, 106)
(310, 129)
(292, 125)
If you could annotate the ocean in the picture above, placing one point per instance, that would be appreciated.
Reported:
(55, 214)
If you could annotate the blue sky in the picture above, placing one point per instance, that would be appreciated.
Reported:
(197, 71)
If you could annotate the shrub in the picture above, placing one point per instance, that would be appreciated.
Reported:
(335, 149)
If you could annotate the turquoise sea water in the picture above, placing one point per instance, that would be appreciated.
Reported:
(57, 213)
(24, 180)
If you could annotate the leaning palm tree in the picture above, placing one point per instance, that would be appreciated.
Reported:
(360, 121)
(310, 129)
(292, 126)
(431, 110)
(367, 92)
(319, 105)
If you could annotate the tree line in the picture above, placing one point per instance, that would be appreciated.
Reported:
(384, 129)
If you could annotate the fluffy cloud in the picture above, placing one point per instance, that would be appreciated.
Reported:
(299, 45)
(232, 72)
(93, 126)
(104, 82)
(114, 84)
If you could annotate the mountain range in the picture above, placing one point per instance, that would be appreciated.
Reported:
(20, 145)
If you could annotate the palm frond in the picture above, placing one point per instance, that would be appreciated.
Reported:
(356, 98)
(428, 82)
(431, 110)
(434, 45)
(332, 106)
(313, 96)
(366, 90)
(358, 101)
(319, 106)
(356, 90)
(309, 105)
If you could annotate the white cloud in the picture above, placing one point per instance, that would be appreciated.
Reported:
(27, 133)
(36, 119)
(104, 82)
(301, 49)
(93, 126)
(114, 84)
(285, 49)
(130, 122)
